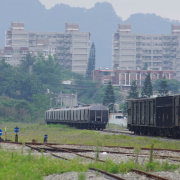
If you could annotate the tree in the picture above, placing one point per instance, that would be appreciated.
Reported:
(91, 61)
(27, 63)
(133, 93)
(173, 85)
(125, 106)
(49, 72)
(147, 90)
(163, 91)
(109, 97)
(145, 66)
(22, 86)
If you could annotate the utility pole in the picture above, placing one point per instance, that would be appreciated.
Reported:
(61, 99)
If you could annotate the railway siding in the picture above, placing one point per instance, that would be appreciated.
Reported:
(120, 154)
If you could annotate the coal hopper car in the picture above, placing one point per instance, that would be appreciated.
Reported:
(85, 117)
(159, 116)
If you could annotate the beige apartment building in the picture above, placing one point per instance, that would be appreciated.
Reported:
(159, 52)
(71, 46)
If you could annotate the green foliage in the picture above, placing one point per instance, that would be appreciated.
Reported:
(125, 107)
(15, 110)
(91, 61)
(66, 135)
(12, 110)
(26, 166)
(133, 93)
(81, 176)
(119, 97)
(147, 90)
(30, 167)
(97, 151)
(110, 166)
(125, 167)
(157, 166)
(31, 80)
(49, 72)
(145, 66)
(166, 166)
(173, 85)
(163, 88)
(137, 151)
(109, 97)
(35, 75)
(27, 63)
(23, 86)
(40, 102)
(17, 84)
(87, 91)
(16, 166)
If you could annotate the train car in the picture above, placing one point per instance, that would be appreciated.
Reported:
(176, 116)
(85, 117)
(158, 116)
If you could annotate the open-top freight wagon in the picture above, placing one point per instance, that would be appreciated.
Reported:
(158, 116)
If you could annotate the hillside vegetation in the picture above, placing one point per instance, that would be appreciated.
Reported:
(23, 90)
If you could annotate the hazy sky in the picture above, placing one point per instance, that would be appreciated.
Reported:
(124, 8)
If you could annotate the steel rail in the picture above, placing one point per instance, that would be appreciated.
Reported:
(118, 132)
(152, 176)
(124, 147)
(40, 150)
(149, 175)
(76, 154)
(107, 174)
(72, 150)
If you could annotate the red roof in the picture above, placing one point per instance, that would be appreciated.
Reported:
(8, 32)
(24, 49)
(8, 48)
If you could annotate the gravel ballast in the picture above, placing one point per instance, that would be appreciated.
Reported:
(117, 158)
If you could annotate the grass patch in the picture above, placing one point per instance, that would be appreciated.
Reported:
(157, 166)
(66, 135)
(115, 126)
(18, 166)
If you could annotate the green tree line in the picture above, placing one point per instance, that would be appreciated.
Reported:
(28, 84)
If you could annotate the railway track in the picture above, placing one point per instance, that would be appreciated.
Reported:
(82, 145)
(107, 174)
(119, 131)
(51, 149)
(112, 176)
(75, 151)
(127, 132)
(148, 175)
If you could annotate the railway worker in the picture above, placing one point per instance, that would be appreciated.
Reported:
(45, 138)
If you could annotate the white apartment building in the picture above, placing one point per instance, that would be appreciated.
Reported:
(71, 46)
(132, 51)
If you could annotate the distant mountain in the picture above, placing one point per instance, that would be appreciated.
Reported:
(101, 21)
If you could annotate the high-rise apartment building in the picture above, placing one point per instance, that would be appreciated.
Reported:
(140, 51)
(71, 46)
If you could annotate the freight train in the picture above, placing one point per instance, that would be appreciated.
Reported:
(158, 116)
(85, 117)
